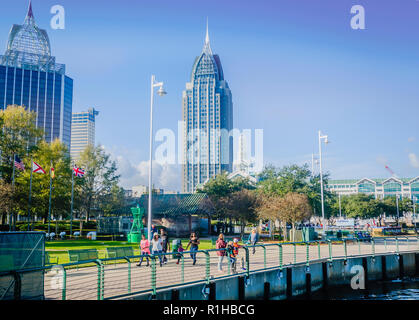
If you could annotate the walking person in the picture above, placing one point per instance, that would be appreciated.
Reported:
(193, 243)
(180, 250)
(221, 244)
(153, 229)
(165, 244)
(156, 247)
(253, 239)
(145, 250)
(231, 252)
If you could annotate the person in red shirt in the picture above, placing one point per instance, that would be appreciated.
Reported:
(220, 244)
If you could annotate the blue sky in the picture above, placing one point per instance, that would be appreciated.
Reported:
(294, 67)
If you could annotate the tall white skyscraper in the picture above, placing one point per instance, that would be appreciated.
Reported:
(208, 119)
(82, 131)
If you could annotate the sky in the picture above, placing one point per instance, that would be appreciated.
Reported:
(294, 67)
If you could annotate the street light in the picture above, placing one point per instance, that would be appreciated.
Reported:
(397, 206)
(326, 141)
(161, 92)
(414, 211)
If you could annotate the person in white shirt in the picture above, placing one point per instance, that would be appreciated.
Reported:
(157, 247)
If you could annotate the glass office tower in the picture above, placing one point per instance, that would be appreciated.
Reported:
(82, 132)
(208, 120)
(29, 76)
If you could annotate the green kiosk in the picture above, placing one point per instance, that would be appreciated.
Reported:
(137, 229)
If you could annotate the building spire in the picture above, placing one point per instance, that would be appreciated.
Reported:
(30, 13)
(207, 46)
(29, 16)
(207, 40)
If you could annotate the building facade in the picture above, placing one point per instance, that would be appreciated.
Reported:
(82, 131)
(208, 121)
(379, 188)
(30, 77)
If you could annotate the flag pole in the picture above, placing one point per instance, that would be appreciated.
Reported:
(13, 193)
(30, 196)
(50, 192)
(72, 199)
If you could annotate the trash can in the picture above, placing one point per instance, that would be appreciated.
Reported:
(308, 234)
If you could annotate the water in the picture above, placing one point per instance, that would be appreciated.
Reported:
(407, 289)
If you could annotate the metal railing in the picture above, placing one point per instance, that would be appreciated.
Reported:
(112, 278)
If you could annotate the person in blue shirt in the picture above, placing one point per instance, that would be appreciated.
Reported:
(253, 239)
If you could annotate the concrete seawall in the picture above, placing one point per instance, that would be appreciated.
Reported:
(296, 280)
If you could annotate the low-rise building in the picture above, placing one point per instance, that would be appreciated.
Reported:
(379, 188)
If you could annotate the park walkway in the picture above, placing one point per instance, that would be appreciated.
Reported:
(82, 283)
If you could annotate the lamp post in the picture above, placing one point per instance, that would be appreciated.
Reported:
(326, 141)
(414, 212)
(340, 207)
(161, 93)
(397, 207)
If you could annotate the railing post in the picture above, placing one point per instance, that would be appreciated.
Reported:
(319, 249)
(330, 249)
(207, 266)
(182, 270)
(345, 249)
(385, 244)
(17, 290)
(100, 279)
(359, 246)
(408, 243)
(247, 261)
(308, 254)
(295, 253)
(280, 255)
(397, 245)
(153, 274)
(129, 274)
(373, 246)
(264, 257)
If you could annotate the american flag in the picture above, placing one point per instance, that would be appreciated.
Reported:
(78, 172)
(19, 164)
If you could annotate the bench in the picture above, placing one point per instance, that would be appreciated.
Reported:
(82, 255)
(49, 259)
(120, 252)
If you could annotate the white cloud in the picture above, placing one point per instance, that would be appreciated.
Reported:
(165, 176)
(414, 160)
(411, 139)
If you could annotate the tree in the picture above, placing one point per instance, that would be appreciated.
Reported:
(99, 182)
(6, 196)
(241, 206)
(294, 208)
(221, 187)
(269, 210)
(45, 154)
(18, 136)
(299, 179)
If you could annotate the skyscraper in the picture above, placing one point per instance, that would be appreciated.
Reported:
(29, 76)
(82, 131)
(208, 119)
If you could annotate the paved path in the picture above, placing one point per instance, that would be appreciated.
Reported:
(82, 283)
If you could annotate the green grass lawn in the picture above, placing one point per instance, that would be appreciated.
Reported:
(59, 248)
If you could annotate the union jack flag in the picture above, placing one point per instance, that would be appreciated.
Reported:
(78, 172)
(19, 163)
